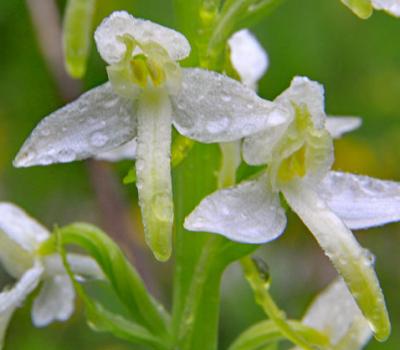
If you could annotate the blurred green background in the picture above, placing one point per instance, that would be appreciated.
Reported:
(357, 61)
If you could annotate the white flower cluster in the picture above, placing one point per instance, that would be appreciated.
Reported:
(149, 92)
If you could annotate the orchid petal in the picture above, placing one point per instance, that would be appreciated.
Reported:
(337, 126)
(352, 261)
(153, 170)
(390, 6)
(97, 121)
(258, 148)
(215, 108)
(361, 201)
(20, 227)
(81, 265)
(126, 151)
(120, 22)
(248, 57)
(335, 313)
(248, 213)
(54, 302)
(14, 297)
(310, 94)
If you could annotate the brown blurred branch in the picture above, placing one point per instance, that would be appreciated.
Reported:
(115, 217)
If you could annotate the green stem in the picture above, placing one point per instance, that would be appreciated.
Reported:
(264, 299)
(193, 179)
(203, 271)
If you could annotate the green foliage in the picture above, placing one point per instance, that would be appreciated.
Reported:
(122, 276)
(77, 35)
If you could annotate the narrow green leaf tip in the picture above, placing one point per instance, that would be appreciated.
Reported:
(77, 35)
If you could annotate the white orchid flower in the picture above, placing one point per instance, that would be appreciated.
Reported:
(364, 8)
(20, 238)
(250, 61)
(147, 93)
(299, 154)
(335, 313)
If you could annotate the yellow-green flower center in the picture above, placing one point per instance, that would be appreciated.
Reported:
(144, 65)
(303, 150)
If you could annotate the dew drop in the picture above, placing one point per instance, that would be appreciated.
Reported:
(46, 160)
(111, 103)
(66, 155)
(369, 257)
(226, 98)
(162, 207)
(45, 132)
(98, 139)
(218, 125)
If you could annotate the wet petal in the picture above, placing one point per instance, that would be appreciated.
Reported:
(390, 6)
(247, 213)
(14, 297)
(126, 151)
(248, 57)
(361, 201)
(18, 226)
(96, 122)
(335, 313)
(352, 261)
(310, 94)
(337, 126)
(121, 22)
(55, 301)
(153, 170)
(258, 148)
(214, 108)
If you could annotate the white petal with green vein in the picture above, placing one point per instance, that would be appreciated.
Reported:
(361, 201)
(248, 213)
(97, 121)
(354, 263)
(153, 170)
(212, 107)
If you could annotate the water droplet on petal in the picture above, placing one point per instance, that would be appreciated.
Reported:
(66, 155)
(45, 132)
(98, 139)
(162, 207)
(226, 98)
(218, 125)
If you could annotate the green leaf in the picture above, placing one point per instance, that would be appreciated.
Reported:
(122, 276)
(267, 333)
(102, 320)
(130, 178)
(77, 35)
